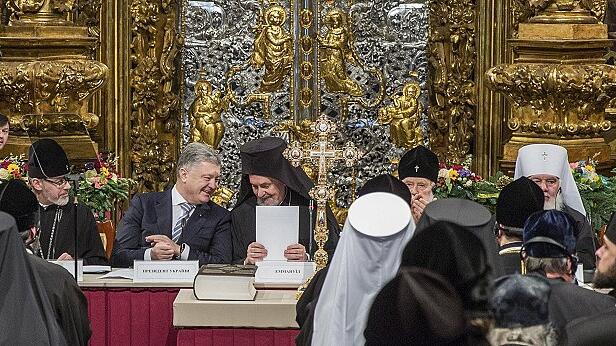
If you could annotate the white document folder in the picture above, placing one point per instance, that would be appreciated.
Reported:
(277, 228)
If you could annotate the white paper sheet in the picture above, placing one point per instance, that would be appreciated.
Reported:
(127, 273)
(96, 269)
(277, 228)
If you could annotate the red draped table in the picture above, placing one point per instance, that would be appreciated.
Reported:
(125, 313)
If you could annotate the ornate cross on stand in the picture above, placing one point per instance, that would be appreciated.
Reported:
(322, 155)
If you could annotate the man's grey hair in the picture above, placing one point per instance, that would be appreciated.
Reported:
(195, 153)
(547, 265)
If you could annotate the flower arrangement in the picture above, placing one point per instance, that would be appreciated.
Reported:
(598, 192)
(13, 167)
(102, 186)
(585, 175)
(458, 181)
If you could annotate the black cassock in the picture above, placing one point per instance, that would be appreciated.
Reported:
(90, 247)
(569, 301)
(68, 302)
(243, 218)
(585, 242)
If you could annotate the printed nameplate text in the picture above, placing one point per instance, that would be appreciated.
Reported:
(165, 271)
(283, 272)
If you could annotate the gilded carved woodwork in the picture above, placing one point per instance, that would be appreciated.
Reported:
(452, 58)
(47, 77)
(523, 10)
(557, 99)
(403, 118)
(558, 83)
(88, 15)
(567, 11)
(155, 102)
(273, 49)
(336, 52)
(206, 122)
(381, 42)
(52, 87)
(152, 159)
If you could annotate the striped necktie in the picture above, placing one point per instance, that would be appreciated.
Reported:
(179, 226)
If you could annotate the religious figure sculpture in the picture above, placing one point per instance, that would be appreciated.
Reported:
(205, 115)
(336, 52)
(403, 117)
(273, 48)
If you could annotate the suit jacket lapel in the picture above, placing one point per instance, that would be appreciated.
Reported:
(164, 214)
(195, 221)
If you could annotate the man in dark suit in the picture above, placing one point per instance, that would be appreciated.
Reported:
(181, 223)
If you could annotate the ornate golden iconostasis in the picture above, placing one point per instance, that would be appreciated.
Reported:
(389, 73)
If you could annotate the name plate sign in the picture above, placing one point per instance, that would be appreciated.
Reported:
(70, 266)
(165, 271)
(283, 272)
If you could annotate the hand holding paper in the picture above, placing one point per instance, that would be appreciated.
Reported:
(295, 253)
(277, 229)
(255, 253)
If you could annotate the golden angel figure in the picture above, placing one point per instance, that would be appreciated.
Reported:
(273, 48)
(336, 52)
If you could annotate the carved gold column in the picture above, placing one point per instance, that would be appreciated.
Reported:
(47, 76)
(558, 83)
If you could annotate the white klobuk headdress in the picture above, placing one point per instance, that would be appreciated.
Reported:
(367, 257)
(553, 160)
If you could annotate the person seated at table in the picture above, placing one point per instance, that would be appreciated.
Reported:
(47, 167)
(268, 179)
(68, 303)
(182, 223)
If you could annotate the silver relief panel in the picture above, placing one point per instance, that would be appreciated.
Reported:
(388, 36)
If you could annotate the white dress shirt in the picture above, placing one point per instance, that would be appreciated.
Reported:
(176, 214)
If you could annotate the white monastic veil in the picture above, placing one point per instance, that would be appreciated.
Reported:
(553, 160)
(367, 257)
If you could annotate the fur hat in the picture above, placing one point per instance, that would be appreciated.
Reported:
(551, 224)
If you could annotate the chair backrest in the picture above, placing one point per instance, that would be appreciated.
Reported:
(106, 230)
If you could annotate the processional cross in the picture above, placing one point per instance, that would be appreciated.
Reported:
(321, 153)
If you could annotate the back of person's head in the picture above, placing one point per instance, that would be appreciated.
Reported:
(516, 202)
(456, 254)
(549, 242)
(366, 258)
(20, 202)
(417, 307)
(386, 183)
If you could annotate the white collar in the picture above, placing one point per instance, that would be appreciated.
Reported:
(176, 198)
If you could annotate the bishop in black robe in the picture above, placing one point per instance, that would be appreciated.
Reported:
(264, 157)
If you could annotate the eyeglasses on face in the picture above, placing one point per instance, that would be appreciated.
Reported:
(58, 182)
